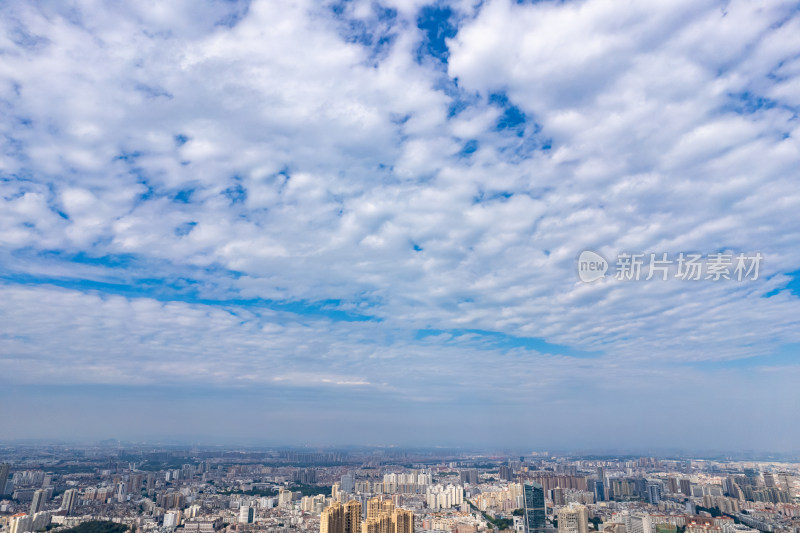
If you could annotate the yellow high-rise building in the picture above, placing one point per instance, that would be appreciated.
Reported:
(352, 517)
(382, 517)
(377, 505)
(400, 521)
(573, 519)
(370, 526)
(385, 523)
(403, 521)
(332, 519)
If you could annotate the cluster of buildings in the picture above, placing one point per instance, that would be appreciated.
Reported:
(195, 491)
(382, 516)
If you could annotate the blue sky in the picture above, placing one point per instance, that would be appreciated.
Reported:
(246, 221)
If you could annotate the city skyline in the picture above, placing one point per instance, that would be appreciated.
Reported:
(461, 224)
(153, 489)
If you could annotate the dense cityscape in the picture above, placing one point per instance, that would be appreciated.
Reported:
(386, 490)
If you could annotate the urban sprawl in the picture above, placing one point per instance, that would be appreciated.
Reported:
(385, 490)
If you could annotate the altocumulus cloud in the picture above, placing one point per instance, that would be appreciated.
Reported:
(305, 209)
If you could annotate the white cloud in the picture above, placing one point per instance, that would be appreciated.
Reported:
(265, 152)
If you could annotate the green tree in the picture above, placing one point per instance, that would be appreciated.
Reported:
(98, 526)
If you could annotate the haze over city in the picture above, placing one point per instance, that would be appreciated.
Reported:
(360, 223)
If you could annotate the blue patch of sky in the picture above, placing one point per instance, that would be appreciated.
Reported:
(153, 92)
(491, 196)
(186, 290)
(27, 40)
(399, 119)
(793, 285)
(128, 157)
(132, 276)
(185, 229)
(521, 137)
(183, 196)
(524, 148)
(110, 260)
(236, 11)
(23, 185)
(504, 342)
(469, 148)
(14, 147)
(181, 139)
(149, 193)
(512, 118)
(438, 23)
(237, 194)
(460, 99)
(52, 201)
(377, 32)
(747, 102)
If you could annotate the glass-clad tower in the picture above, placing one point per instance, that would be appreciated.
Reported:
(534, 507)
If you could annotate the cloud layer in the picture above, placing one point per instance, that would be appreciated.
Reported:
(360, 205)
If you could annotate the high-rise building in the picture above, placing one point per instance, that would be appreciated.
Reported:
(122, 491)
(136, 484)
(653, 493)
(599, 491)
(247, 514)
(69, 500)
(399, 521)
(439, 497)
(686, 487)
(38, 502)
(533, 499)
(284, 497)
(382, 524)
(20, 523)
(332, 519)
(673, 485)
(403, 521)
(4, 468)
(573, 519)
(382, 517)
(340, 518)
(469, 476)
(172, 519)
(346, 484)
(376, 506)
(352, 517)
